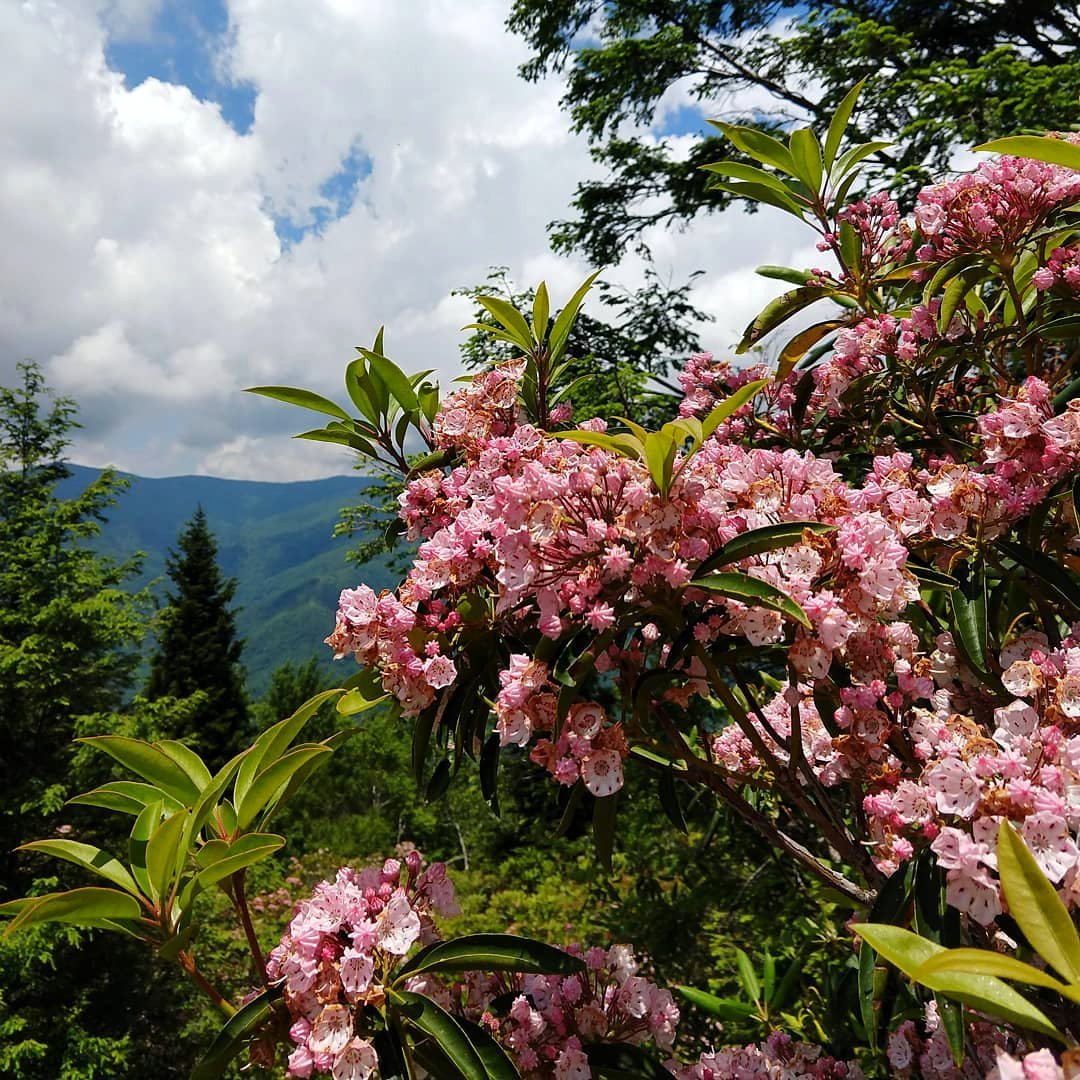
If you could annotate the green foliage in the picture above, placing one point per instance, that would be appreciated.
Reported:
(198, 649)
(944, 75)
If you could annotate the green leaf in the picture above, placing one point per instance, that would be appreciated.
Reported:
(952, 1020)
(81, 907)
(511, 320)
(748, 173)
(758, 541)
(603, 823)
(491, 952)
(838, 125)
(762, 194)
(780, 310)
(271, 744)
(188, 760)
(801, 343)
(306, 399)
(806, 153)
(931, 578)
(88, 857)
(213, 792)
(669, 801)
(721, 1008)
(731, 405)
(623, 1061)
(909, 952)
(759, 146)
(220, 859)
(564, 322)
(141, 831)
(1038, 147)
(867, 996)
(231, 1039)
(276, 775)
(850, 158)
(752, 591)
(423, 1014)
(784, 273)
(365, 692)
(969, 615)
(614, 444)
(148, 761)
(988, 962)
(1054, 577)
(541, 312)
(497, 1062)
(660, 459)
(394, 379)
(747, 976)
(1036, 906)
(163, 853)
(125, 796)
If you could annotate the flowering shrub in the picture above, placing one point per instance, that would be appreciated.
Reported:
(837, 596)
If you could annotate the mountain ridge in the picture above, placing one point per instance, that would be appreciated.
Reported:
(275, 538)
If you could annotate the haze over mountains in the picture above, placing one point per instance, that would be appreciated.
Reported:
(275, 539)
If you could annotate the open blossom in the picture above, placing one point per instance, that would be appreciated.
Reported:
(340, 944)
(552, 1017)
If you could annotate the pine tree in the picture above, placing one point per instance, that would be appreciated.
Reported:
(198, 649)
(68, 630)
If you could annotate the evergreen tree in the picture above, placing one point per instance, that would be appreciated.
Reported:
(198, 649)
(72, 1004)
(68, 631)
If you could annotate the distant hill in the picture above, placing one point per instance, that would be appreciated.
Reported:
(275, 539)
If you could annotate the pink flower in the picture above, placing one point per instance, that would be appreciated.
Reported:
(399, 926)
(602, 772)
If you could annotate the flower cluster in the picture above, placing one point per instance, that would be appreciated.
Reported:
(1062, 269)
(340, 947)
(993, 209)
(1027, 770)
(922, 1052)
(883, 239)
(551, 1018)
(778, 1056)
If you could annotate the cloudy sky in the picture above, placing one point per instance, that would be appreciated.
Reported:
(201, 195)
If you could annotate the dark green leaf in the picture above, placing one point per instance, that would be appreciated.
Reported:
(306, 399)
(753, 591)
(603, 821)
(491, 952)
(757, 541)
(89, 857)
(232, 1038)
(423, 1014)
(81, 907)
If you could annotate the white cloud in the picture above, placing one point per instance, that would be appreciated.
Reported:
(140, 259)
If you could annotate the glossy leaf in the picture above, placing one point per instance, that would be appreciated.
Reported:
(511, 320)
(747, 976)
(423, 1014)
(800, 344)
(163, 852)
(394, 379)
(1039, 147)
(806, 153)
(88, 857)
(758, 145)
(779, 311)
(753, 591)
(731, 405)
(838, 125)
(988, 962)
(188, 760)
(758, 541)
(269, 780)
(603, 822)
(148, 761)
(1057, 580)
(81, 907)
(1036, 906)
(272, 742)
(969, 615)
(232, 1038)
(491, 952)
(909, 952)
(306, 399)
(220, 859)
(564, 322)
(710, 1004)
(541, 312)
(125, 796)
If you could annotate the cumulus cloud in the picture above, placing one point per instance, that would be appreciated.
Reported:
(158, 260)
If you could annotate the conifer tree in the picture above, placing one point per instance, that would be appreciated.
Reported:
(198, 649)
